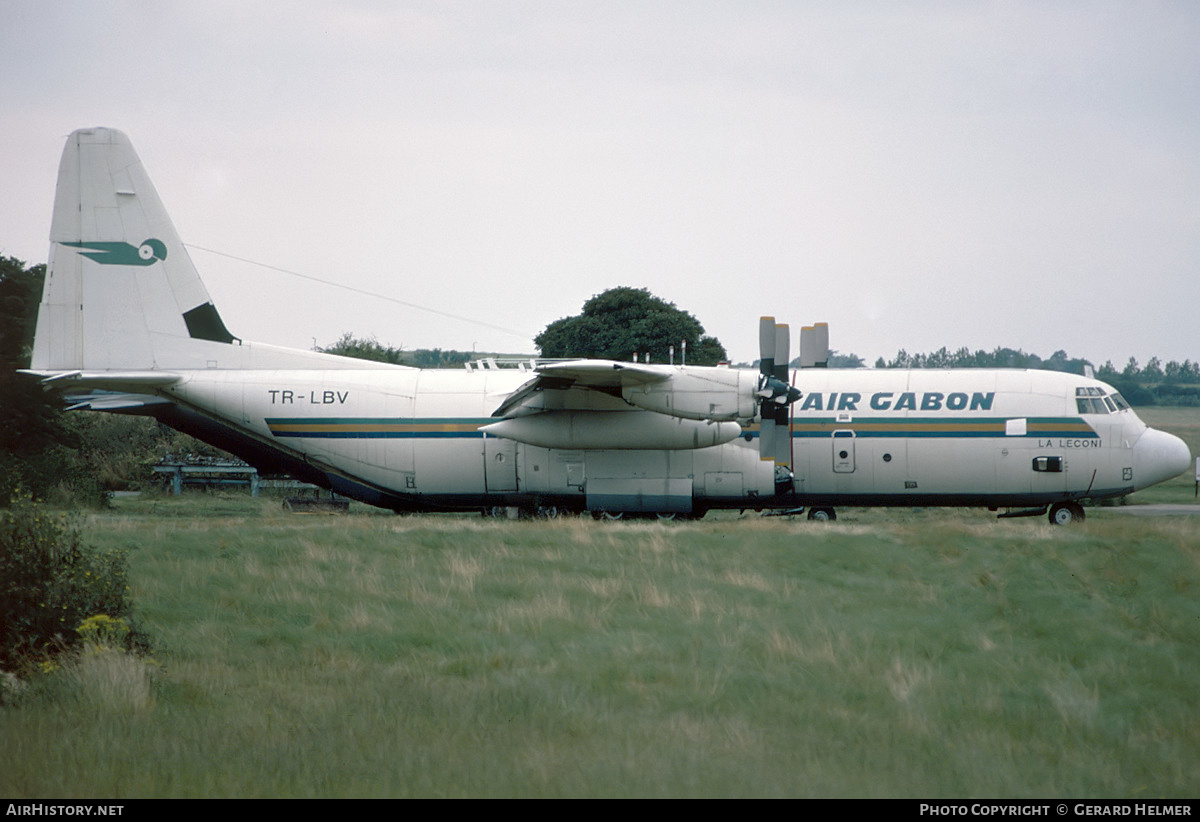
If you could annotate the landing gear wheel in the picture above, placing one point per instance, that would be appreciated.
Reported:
(1065, 513)
(822, 514)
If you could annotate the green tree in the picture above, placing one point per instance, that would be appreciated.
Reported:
(437, 358)
(1132, 371)
(1153, 371)
(36, 443)
(837, 360)
(1186, 372)
(365, 348)
(26, 410)
(1174, 383)
(368, 348)
(622, 322)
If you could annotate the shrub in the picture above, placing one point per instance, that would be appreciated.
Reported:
(56, 472)
(51, 583)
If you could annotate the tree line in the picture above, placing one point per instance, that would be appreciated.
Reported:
(1155, 383)
(369, 348)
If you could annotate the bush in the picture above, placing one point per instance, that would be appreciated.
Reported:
(55, 473)
(50, 583)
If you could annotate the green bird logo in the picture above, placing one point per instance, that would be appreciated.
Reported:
(149, 252)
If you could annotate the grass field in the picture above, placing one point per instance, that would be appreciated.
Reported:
(892, 653)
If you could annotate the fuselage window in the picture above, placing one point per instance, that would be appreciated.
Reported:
(1051, 465)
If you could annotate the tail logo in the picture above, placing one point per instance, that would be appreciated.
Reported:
(148, 253)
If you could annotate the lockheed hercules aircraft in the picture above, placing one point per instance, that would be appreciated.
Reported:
(127, 326)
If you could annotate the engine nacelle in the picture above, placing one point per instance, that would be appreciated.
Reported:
(698, 393)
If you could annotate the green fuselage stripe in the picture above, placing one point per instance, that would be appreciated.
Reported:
(941, 427)
(374, 427)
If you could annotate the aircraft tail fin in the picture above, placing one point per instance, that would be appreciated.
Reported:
(121, 291)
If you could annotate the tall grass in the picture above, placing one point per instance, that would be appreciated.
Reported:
(923, 653)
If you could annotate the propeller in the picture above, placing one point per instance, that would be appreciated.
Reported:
(775, 395)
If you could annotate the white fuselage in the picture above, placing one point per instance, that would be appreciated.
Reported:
(410, 439)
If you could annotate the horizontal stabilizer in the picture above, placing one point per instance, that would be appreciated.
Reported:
(112, 401)
(108, 380)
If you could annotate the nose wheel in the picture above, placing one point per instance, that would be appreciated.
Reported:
(1065, 513)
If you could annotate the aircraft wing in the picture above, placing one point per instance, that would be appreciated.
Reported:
(604, 404)
(604, 376)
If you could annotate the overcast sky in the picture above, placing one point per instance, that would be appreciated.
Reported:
(916, 174)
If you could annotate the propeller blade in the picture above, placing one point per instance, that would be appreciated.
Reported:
(783, 410)
(821, 331)
(766, 436)
(766, 367)
(814, 346)
(766, 346)
(782, 354)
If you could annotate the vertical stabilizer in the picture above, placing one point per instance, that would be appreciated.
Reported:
(121, 291)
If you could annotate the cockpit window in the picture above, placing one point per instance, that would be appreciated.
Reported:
(1091, 399)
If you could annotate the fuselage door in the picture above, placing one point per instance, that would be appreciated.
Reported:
(843, 451)
(499, 464)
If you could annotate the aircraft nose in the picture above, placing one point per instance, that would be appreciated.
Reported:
(1158, 456)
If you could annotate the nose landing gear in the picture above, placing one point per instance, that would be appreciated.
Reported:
(1065, 513)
